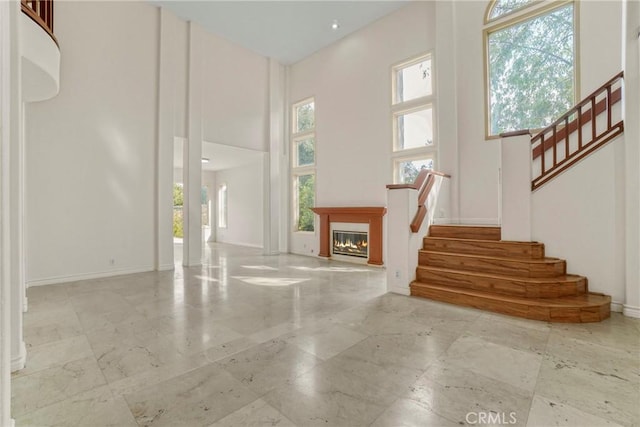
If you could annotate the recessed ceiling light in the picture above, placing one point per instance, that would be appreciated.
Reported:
(205, 160)
(335, 24)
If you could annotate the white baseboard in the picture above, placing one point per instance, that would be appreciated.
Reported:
(89, 276)
(616, 307)
(467, 221)
(402, 290)
(19, 361)
(631, 311)
(167, 267)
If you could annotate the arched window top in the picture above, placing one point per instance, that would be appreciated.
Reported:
(499, 8)
(530, 63)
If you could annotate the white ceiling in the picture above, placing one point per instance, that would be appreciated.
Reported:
(285, 30)
(220, 156)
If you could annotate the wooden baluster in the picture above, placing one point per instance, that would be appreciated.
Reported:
(555, 143)
(542, 171)
(593, 118)
(608, 107)
(579, 127)
(566, 137)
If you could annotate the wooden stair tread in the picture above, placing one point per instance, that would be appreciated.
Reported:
(545, 260)
(506, 248)
(590, 299)
(465, 231)
(515, 242)
(535, 280)
(472, 266)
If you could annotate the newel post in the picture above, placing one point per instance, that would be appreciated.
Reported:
(515, 186)
(402, 257)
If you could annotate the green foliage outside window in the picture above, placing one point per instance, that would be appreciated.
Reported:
(306, 200)
(504, 7)
(305, 117)
(531, 71)
(306, 152)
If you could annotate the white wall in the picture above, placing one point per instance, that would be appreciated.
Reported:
(90, 177)
(235, 95)
(579, 215)
(351, 83)
(578, 218)
(245, 206)
(477, 174)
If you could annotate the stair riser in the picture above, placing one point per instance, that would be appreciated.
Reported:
(509, 267)
(498, 249)
(463, 232)
(501, 286)
(594, 313)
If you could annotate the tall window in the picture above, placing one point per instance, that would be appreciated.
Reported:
(222, 206)
(413, 107)
(303, 168)
(530, 62)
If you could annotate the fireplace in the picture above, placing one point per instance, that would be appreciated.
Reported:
(351, 243)
(370, 217)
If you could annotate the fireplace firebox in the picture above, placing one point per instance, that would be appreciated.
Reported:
(351, 243)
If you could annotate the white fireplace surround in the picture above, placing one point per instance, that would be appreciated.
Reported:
(349, 227)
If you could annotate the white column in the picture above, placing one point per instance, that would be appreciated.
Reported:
(193, 164)
(273, 173)
(447, 117)
(285, 162)
(16, 171)
(632, 158)
(164, 147)
(5, 260)
(515, 183)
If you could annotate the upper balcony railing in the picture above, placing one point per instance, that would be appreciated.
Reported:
(41, 12)
(577, 133)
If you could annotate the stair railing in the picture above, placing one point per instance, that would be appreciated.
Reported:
(424, 183)
(410, 211)
(41, 12)
(577, 133)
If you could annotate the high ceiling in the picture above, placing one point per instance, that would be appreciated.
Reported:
(285, 30)
(219, 156)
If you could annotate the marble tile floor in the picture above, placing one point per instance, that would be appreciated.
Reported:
(286, 340)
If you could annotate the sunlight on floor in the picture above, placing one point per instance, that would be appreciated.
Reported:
(259, 267)
(270, 281)
(331, 269)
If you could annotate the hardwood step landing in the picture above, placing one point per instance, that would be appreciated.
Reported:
(501, 248)
(545, 267)
(466, 232)
(472, 266)
(588, 307)
(553, 287)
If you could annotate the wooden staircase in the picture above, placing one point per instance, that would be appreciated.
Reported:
(471, 266)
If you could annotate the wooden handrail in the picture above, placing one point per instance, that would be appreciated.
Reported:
(575, 119)
(585, 117)
(415, 185)
(41, 12)
(424, 182)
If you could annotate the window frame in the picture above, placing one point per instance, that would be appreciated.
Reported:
(397, 109)
(515, 17)
(297, 171)
(418, 156)
(223, 206)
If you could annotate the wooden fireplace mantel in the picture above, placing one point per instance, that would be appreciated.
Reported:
(371, 215)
